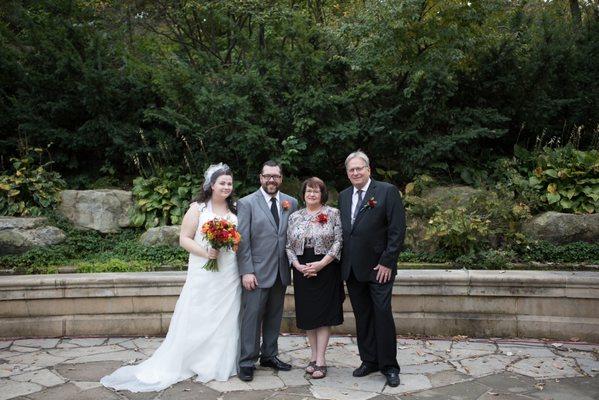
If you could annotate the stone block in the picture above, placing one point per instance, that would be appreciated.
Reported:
(104, 210)
(558, 327)
(560, 307)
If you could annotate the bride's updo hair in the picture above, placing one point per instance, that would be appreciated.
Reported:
(210, 177)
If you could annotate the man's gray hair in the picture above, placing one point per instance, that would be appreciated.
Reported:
(357, 154)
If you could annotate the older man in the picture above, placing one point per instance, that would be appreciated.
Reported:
(373, 221)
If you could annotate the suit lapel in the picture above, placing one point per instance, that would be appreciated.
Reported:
(369, 194)
(259, 198)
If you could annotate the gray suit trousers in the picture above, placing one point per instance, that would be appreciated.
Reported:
(266, 306)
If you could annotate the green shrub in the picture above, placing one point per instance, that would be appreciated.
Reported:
(162, 200)
(458, 231)
(541, 251)
(31, 189)
(409, 256)
(488, 219)
(554, 179)
(487, 259)
(567, 179)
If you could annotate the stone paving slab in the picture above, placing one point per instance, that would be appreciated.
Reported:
(456, 369)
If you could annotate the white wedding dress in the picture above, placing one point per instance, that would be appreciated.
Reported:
(203, 336)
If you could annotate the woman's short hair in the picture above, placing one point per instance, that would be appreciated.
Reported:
(315, 182)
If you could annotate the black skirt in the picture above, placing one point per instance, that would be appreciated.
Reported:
(319, 299)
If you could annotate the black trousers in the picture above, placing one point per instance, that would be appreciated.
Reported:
(377, 340)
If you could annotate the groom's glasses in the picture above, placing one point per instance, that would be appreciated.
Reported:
(273, 177)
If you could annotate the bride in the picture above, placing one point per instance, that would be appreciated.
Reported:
(203, 336)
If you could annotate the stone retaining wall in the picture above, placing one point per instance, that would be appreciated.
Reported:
(540, 304)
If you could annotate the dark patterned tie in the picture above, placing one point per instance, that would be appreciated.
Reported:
(274, 210)
(357, 210)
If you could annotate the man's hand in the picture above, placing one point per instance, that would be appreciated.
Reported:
(249, 281)
(383, 274)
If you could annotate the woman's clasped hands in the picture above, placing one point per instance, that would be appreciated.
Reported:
(309, 270)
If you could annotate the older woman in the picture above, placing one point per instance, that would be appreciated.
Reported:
(314, 249)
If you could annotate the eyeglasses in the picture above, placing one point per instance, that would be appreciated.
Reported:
(273, 177)
(356, 169)
(312, 191)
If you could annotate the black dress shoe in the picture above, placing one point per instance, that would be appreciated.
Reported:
(246, 374)
(275, 363)
(392, 376)
(364, 370)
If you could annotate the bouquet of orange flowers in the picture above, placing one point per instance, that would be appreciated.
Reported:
(221, 234)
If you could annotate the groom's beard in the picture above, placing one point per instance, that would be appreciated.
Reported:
(271, 188)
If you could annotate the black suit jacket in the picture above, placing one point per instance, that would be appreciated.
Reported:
(378, 233)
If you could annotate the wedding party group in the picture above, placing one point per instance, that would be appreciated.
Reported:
(244, 254)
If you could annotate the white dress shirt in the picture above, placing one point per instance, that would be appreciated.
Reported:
(354, 199)
(267, 198)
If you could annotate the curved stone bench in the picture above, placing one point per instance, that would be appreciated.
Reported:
(540, 304)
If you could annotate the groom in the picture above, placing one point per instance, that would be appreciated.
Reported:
(264, 269)
(373, 222)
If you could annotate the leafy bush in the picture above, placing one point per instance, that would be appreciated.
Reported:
(558, 179)
(567, 179)
(31, 189)
(162, 200)
(457, 232)
(487, 219)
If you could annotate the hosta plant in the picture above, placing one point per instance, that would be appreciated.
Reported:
(162, 200)
(30, 188)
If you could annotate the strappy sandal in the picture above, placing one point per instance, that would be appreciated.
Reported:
(311, 366)
(319, 368)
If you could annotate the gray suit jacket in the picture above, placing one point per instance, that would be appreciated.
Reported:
(262, 248)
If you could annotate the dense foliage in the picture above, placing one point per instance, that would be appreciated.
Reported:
(29, 188)
(122, 89)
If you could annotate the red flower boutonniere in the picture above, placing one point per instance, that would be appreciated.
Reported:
(322, 218)
(285, 204)
(371, 203)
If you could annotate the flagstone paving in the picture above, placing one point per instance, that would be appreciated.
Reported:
(460, 369)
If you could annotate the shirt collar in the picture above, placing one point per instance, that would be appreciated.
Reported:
(267, 196)
(364, 189)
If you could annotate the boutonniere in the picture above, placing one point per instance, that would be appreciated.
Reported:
(285, 204)
(371, 203)
(322, 218)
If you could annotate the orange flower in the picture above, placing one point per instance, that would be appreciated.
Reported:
(285, 204)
